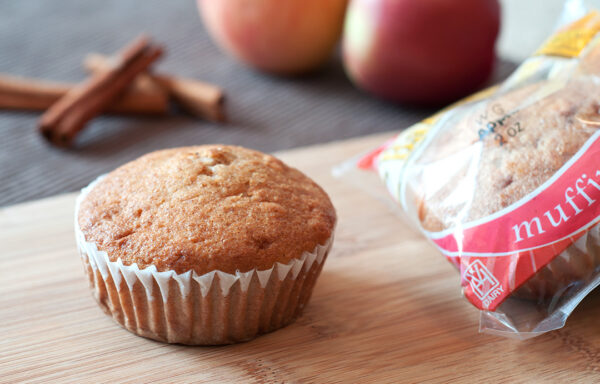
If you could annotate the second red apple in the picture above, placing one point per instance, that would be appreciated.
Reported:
(420, 52)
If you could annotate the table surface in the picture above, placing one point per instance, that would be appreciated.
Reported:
(387, 308)
(49, 40)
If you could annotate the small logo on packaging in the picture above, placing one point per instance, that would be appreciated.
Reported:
(481, 279)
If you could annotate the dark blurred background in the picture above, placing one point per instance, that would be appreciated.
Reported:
(49, 39)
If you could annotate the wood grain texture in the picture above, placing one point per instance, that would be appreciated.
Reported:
(387, 308)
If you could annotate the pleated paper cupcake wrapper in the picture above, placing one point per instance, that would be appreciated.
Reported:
(209, 309)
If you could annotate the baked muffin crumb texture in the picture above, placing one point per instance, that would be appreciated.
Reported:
(206, 208)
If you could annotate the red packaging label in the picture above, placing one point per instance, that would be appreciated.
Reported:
(367, 162)
(498, 253)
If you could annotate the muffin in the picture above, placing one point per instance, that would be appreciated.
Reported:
(204, 245)
(538, 129)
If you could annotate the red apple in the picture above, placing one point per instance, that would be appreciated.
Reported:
(420, 51)
(279, 36)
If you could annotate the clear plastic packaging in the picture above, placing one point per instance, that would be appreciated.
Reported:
(506, 184)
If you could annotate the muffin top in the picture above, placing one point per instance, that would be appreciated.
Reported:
(537, 130)
(206, 208)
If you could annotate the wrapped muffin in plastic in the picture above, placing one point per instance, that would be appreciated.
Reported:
(506, 185)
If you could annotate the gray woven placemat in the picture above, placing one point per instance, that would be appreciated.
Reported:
(48, 39)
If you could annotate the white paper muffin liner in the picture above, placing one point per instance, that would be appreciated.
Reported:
(187, 308)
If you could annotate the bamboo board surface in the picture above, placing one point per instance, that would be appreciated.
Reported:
(387, 308)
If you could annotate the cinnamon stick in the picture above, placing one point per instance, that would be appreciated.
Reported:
(22, 93)
(61, 123)
(198, 98)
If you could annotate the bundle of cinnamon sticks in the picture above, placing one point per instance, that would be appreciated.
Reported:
(122, 84)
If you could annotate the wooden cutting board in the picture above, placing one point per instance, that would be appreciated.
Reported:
(387, 308)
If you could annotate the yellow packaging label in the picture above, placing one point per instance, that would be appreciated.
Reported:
(406, 142)
(570, 41)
